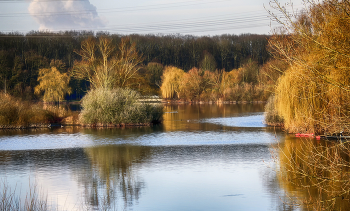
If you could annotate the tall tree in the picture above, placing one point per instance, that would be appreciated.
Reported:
(105, 66)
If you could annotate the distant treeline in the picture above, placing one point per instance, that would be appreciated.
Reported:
(23, 55)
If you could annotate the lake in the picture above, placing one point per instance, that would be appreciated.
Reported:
(203, 157)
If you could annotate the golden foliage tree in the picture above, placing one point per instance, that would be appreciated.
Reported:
(53, 83)
(313, 94)
(171, 82)
(198, 84)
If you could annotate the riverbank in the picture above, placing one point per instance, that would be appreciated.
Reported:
(73, 121)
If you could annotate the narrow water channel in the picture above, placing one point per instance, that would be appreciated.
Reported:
(203, 157)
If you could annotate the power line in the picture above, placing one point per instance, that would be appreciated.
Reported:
(250, 19)
(114, 10)
(26, 1)
(188, 28)
(195, 26)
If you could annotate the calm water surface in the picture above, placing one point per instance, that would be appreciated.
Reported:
(204, 157)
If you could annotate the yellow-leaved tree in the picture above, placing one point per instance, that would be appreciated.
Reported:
(53, 83)
(172, 82)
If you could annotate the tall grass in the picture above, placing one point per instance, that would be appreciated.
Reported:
(16, 112)
(11, 201)
(106, 106)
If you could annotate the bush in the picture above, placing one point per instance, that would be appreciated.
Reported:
(21, 113)
(115, 106)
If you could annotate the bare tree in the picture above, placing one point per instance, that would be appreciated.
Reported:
(106, 66)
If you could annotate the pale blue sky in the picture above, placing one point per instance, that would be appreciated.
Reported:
(197, 17)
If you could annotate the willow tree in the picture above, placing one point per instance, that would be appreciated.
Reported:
(171, 82)
(105, 65)
(53, 83)
(313, 94)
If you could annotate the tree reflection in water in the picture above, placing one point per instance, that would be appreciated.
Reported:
(315, 174)
(113, 175)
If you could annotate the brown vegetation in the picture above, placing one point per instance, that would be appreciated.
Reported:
(312, 96)
(15, 112)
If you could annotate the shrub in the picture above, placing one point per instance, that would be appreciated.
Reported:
(21, 113)
(117, 106)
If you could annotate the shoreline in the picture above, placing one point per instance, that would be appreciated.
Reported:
(59, 125)
(164, 101)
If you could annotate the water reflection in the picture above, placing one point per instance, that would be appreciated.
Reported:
(116, 173)
(79, 179)
(316, 173)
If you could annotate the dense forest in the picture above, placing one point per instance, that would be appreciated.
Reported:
(22, 56)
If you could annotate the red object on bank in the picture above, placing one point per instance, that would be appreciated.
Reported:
(304, 135)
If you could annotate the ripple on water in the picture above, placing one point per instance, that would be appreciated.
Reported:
(237, 130)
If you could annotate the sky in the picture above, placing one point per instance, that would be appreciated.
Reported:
(195, 17)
